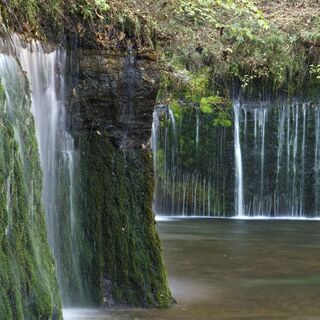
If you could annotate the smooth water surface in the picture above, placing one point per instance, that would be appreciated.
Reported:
(235, 269)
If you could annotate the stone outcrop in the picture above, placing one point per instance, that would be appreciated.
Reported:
(117, 94)
(112, 99)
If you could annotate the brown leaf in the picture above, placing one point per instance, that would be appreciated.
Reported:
(122, 35)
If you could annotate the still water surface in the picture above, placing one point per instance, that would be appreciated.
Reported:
(234, 269)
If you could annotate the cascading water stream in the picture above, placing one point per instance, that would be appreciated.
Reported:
(154, 142)
(41, 73)
(13, 85)
(184, 191)
(197, 127)
(45, 72)
(173, 122)
(238, 161)
(28, 283)
(317, 160)
(272, 150)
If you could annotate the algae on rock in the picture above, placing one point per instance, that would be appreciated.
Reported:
(28, 287)
(112, 103)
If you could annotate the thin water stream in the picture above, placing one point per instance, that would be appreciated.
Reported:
(234, 269)
(238, 162)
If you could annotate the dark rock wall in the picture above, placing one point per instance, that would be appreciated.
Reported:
(112, 99)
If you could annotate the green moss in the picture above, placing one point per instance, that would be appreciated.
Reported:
(28, 286)
(177, 110)
(122, 260)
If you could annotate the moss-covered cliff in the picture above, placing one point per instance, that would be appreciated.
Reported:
(119, 249)
(112, 102)
(28, 287)
(122, 253)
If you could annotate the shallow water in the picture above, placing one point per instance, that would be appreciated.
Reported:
(235, 269)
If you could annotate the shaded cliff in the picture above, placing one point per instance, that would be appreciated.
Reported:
(112, 99)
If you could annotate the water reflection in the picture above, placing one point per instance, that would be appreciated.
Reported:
(235, 269)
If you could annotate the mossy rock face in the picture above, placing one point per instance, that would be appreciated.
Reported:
(111, 108)
(28, 287)
(122, 249)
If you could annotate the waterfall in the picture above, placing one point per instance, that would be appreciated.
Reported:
(41, 72)
(154, 136)
(276, 164)
(238, 161)
(303, 147)
(196, 186)
(45, 72)
(153, 143)
(14, 88)
(28, 281)
(197, 126)
(317, 160)
(173, 122)
(266, 165)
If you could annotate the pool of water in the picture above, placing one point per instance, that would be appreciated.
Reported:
(234, 269)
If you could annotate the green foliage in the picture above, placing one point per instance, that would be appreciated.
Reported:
(89, 9)
(107, 23)
(177, 110)
(208, 103)
(179, 154)
(28, 287)
(184, 84)
(195, 90)
(211, 27)
(222, 119)
(102, 5)
(315, 70)
(230, 39)
(215, 14)
(269, 58)
(217, 106)
(197, 86)
(233, 39)
(29, 15)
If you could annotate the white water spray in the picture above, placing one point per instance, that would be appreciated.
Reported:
(45, 72)
(238, 161)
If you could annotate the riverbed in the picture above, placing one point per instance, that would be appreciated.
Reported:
(222, 269)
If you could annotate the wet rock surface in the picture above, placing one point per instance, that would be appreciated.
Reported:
(117, 94)
(112, 102)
